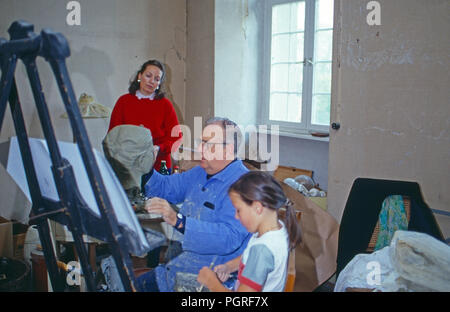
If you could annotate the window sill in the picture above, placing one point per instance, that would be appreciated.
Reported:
(297, 135)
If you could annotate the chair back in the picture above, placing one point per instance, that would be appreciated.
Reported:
(358, 226)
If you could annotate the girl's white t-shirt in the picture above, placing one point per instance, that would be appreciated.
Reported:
(264, 262)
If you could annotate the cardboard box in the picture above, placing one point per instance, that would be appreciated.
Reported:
(6, 238)
(19, 235)
(61, 233)
(283, 172)
(19, 245)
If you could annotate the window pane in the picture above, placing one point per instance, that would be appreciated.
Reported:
(323, 43)
(294, 111)
(322, 78)
(280, 48)
(295, 77)
(281, 18)
(289, 17)
(296, 47)
(279, 78)
(321, 109)
(298, 16)
(287, 48)
(324, 14)
(278, 106)
(286, 107)
(323, 46)
(286, 69)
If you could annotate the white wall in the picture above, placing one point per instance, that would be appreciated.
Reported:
(237, 63)
(200, 61)
(106, 50)
(306, 154)
(115, 37)
(391, 96)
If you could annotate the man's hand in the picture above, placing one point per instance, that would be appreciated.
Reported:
(162, 207)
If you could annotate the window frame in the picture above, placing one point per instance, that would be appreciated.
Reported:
(293, 129)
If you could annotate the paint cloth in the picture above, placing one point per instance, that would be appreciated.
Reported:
(158, 116)
(129, 150)
(392, 218)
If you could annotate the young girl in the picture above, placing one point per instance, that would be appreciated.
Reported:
(257, 198)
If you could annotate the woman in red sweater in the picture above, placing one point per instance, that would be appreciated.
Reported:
(145, 105)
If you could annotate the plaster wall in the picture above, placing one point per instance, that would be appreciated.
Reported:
(107, 49)
(391, 97)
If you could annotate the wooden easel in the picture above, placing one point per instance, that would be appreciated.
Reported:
(70, 210)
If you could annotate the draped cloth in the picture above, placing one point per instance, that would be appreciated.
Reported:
(129, 150)
(392, 218)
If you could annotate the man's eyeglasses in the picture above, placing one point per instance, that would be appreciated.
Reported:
(198, 142)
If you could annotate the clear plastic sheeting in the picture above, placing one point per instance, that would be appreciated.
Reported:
(412, 262)
(305, 185)
(305, 181)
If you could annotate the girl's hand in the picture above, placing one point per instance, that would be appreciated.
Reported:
(206, 277)
(223, 272)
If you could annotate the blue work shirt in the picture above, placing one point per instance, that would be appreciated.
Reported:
(211, 230)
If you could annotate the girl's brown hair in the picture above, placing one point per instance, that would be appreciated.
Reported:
(262, 187)
(134, 84)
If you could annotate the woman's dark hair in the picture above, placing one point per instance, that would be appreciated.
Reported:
(134, 84)
(262, 187)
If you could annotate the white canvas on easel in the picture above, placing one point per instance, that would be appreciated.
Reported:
(42, 162)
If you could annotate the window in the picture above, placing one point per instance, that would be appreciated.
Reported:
(298, 45)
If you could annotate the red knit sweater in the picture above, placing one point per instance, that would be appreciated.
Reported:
(157, 115)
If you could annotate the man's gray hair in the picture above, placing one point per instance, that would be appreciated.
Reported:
(232, 132)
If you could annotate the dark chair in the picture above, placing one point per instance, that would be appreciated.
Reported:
(362, 210)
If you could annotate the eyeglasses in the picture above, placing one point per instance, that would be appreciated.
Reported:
(198, 142)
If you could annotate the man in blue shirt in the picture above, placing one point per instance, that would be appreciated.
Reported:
(211, 233)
